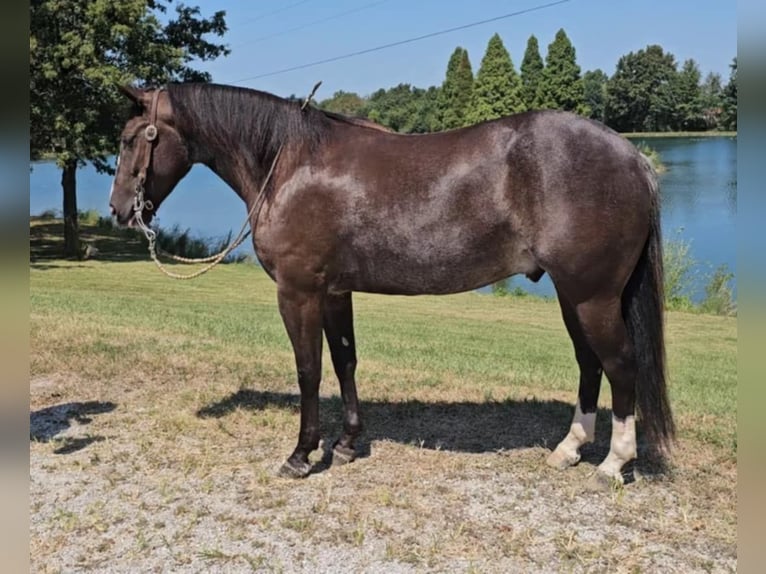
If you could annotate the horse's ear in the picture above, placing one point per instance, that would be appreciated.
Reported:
(136, 95)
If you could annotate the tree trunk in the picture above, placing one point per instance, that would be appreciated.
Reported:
(71, 228)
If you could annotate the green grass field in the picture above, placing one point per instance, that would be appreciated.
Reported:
(197, 370)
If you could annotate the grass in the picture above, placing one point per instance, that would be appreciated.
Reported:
(183, 398)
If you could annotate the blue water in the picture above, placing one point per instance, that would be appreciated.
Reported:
(699, 195)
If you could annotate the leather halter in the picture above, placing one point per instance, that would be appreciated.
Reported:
(150, 134)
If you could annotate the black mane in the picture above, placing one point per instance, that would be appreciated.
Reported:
(230, 117)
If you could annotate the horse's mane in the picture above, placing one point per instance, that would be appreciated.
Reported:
(262, 121)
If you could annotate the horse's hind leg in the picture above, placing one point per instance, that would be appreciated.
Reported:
(339, 330)
(582, 430)
(302, 315)
(602, 322)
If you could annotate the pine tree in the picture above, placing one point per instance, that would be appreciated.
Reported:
(594, 89)
(562, 86)
(497, 89)
(729, 115)
(688, 97)
(531, 74)
(712, 100)
(455, 94)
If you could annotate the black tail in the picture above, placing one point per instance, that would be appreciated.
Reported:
(643, 311)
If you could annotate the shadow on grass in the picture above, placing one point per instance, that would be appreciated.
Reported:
(46, 243)
(492, 426)
(45, 425)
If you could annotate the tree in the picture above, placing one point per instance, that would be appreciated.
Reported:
(688, 97)
(711, 97)
(79, 53)
(404, 108)
(729, 115)
(594, 93)
(455, 93)
(531, 74)
(639, 93)
(562, 86)
(497, 88)
(346, 103)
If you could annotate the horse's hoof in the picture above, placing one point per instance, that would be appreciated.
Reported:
(562, 460)
(294, 469)
(603, 482)
(342, 455)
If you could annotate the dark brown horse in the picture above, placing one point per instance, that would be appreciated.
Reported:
(354, 208)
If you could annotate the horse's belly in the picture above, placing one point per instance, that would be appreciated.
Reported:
(438, 264)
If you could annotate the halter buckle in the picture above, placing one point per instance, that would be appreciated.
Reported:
(150, 133)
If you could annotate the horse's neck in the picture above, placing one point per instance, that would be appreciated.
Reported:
(244, 177)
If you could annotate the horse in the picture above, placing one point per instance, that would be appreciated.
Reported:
(344, 206)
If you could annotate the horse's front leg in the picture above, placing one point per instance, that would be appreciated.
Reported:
(302, 315)
(339, 329)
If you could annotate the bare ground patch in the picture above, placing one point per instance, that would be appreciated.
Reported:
(181, 477)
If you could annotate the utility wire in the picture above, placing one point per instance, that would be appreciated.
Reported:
(401, 42)
(315, 22)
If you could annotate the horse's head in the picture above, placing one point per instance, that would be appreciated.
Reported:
(153, 157)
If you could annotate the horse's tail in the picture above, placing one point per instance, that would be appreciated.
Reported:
(643, 310)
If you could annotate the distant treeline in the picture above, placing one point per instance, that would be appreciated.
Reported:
(647, 92)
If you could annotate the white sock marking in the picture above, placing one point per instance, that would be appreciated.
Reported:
(622, 448)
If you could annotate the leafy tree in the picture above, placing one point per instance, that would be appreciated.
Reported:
(711, 97)
(347, 103)
(640, 92)
(497, 88)
(80, 51)
(531, 74)
(729, 115)
(455, 94)
(426, 114)
(562, 86)
(688, 98)
(403, 108)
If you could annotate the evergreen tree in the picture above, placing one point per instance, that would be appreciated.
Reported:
(712, 100)
(594, 93)
(531, 74)
(688, 98)
(79, 53)
(562, 86)
(729, 115)
(497, 89)
(455, 93)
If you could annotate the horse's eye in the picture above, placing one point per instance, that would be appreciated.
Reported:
(127, 142)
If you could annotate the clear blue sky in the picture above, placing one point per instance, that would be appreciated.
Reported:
(601, 31)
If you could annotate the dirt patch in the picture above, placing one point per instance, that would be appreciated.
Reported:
(166, 481)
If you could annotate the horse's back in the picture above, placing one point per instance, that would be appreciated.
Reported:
(452, 211)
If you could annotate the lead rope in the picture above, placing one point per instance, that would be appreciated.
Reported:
(139, 204)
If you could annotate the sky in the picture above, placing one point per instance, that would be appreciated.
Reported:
(261, 39)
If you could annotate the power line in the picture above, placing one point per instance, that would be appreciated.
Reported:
(401, 42)
(302, 26)
(277, 11)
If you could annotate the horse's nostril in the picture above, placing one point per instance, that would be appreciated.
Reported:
(112, 210)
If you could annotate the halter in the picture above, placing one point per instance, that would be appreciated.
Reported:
(150, 134)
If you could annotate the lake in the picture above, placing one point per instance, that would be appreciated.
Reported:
(699, 195)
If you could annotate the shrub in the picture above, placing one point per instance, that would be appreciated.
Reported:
(89, 217)
(679, 273)
(719, 297)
